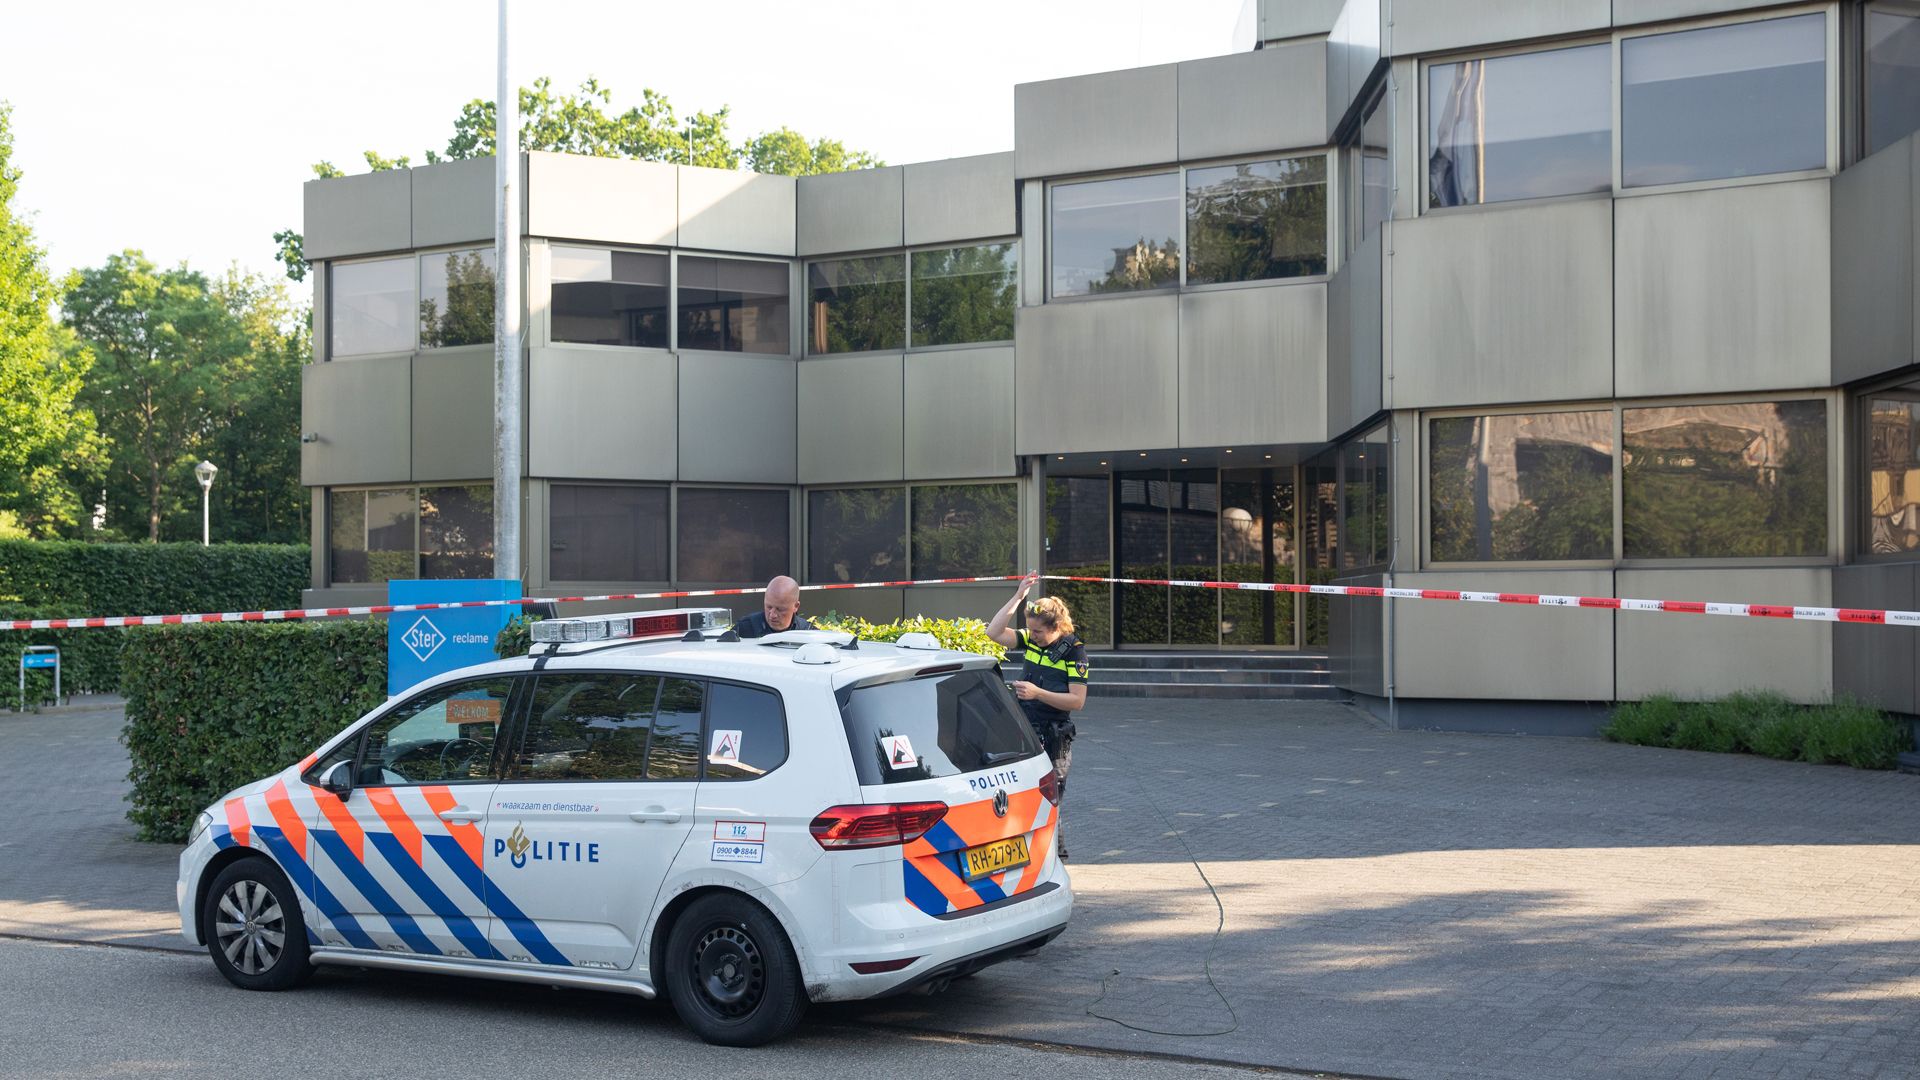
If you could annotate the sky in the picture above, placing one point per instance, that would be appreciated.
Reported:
(185, 129)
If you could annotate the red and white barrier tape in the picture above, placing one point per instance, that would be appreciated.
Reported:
(1859, 616)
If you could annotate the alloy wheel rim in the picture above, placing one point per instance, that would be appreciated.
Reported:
(729, 971)
(250, 927)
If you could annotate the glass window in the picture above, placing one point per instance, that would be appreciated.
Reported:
(603, 297)
(857, 305)
(370, 535)
(1116, 235)
(456, 298)
(857, 534)
(588, 727)
(734, 305)
(1724, 481)
(605, 533)
(732, 536)
(1256, 544)
(456, 531)
(1724, 101)
(1320, 541)
(1520, 127)
(1365, 465)
(1257, 220)
(443, 736)
(1893, 476)
(746, 732)
(923, 729)
(965, 530)
(1076, 543)
(1373, 168)
(1528, 486)
(965, 294)
(1893, 77)
(371, 307)
(674, 751)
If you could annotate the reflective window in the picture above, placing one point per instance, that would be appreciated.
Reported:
(443, 736)
(732, 536)
(1893, 76)
(1520, 127)
(456, 531)
(1365, 467)
(965, 294)
(456, 298)
(924, 729)
(857, 534)
(1257, 220)
(370, 307)
(1256, 544)
(603, 297)
(588, 727)
(1724, 481)
(734, 305)
(1116, 235)
(1077, 544)
(607, 533)
(1893, 476)
(1521, 487)
(370, 535)
(746, 732)
(1372, 170)
(673, 753)
(1724, 101)
(857, 305)
(1319, 543)
(965, 530)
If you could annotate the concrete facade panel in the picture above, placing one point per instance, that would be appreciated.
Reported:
(1445, 649)
(357, 215)
(850, 410)
(603, 199)
(1253, 366)
(1353, 51)
(453, 414)
(1296, 18)
(1707, 302)
(1437, 25)
(873, 605)
(1506, 305)
(1704, 657)
(737, 419)
(1033, 243)
(1112, 120)
(959, 414)
(1272, 99)
(1872, 663)
(730, 210)
(966, 198)
(453, 202)
(956, 601)
(1355, 341)
(1873, 271)
(1100, 374)
(602, 414)
(360, 411)
(1635, 12)
(1357, 651)
(850, 211)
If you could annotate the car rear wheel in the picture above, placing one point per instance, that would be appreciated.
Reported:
(731, 973)
(254, 929)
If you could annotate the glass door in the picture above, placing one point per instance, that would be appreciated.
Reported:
(1140, 550)
(1257, 543)
(1079, 541)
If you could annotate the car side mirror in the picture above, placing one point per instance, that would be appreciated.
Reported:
(338, 779)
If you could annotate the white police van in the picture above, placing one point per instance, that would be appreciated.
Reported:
(647, 804)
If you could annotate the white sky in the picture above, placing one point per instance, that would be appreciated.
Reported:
(186, 128)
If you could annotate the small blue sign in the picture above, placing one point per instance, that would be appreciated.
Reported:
(422, 644)
(39, 660)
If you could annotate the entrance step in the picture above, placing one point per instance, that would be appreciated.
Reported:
(1242, 676)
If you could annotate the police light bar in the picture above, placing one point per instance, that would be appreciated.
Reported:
(628, 625)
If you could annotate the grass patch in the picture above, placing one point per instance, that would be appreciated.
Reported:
(1765, 723)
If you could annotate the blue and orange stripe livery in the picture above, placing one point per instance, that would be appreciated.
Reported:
(931, 866)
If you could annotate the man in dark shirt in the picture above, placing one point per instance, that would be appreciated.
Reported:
(779, 612)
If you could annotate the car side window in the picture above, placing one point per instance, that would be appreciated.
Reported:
(675, 751)
(746, 732)
(444, 735)
(588, 727)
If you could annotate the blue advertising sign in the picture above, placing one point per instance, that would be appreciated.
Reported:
(40, 660)
(422, 644)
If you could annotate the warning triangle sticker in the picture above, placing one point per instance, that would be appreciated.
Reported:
(900, 753)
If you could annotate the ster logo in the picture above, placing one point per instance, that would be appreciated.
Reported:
(517, 845)
(423, 639)
(1000, 803)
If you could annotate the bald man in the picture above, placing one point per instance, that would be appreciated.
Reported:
(781, 611)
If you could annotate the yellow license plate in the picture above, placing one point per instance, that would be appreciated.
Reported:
(995, 857)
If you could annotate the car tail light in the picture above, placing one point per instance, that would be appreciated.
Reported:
(871, 825)
(1050, 786)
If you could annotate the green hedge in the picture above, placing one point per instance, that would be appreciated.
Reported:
(216, 705)
(89, 659)
(964, 635)
(1765, 723)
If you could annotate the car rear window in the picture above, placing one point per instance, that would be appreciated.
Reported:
(921, 729)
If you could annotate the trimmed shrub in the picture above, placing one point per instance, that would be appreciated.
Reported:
(215, 705)
(963, 635)
(516, 637)
(1850, 733)
(89, 659)
(1765, 723)
(1644, 723)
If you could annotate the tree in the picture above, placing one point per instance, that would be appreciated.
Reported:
(42, 433)
(788, 153)
(254, 423)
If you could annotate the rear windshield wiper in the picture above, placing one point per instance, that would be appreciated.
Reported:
(1003, 757)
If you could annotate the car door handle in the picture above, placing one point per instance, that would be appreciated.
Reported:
(655, 813)
(460, 815)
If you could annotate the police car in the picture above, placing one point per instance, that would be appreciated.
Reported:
(647, 804)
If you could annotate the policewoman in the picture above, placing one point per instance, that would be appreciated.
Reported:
(1053, 682)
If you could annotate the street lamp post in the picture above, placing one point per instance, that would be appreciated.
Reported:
(203, 472)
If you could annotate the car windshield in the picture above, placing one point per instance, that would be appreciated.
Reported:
(924, 728)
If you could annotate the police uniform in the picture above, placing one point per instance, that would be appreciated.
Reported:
(755, 625)
(1054, 667)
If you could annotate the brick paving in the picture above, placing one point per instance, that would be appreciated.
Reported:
(1397, 904)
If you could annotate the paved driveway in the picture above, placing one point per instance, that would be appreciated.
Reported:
(1396, 904)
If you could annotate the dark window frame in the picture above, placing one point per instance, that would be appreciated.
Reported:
(507, 731)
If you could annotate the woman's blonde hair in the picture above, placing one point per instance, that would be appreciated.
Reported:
(1053, 611)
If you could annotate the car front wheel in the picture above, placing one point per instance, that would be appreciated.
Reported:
(731, 973)
(254, 928)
